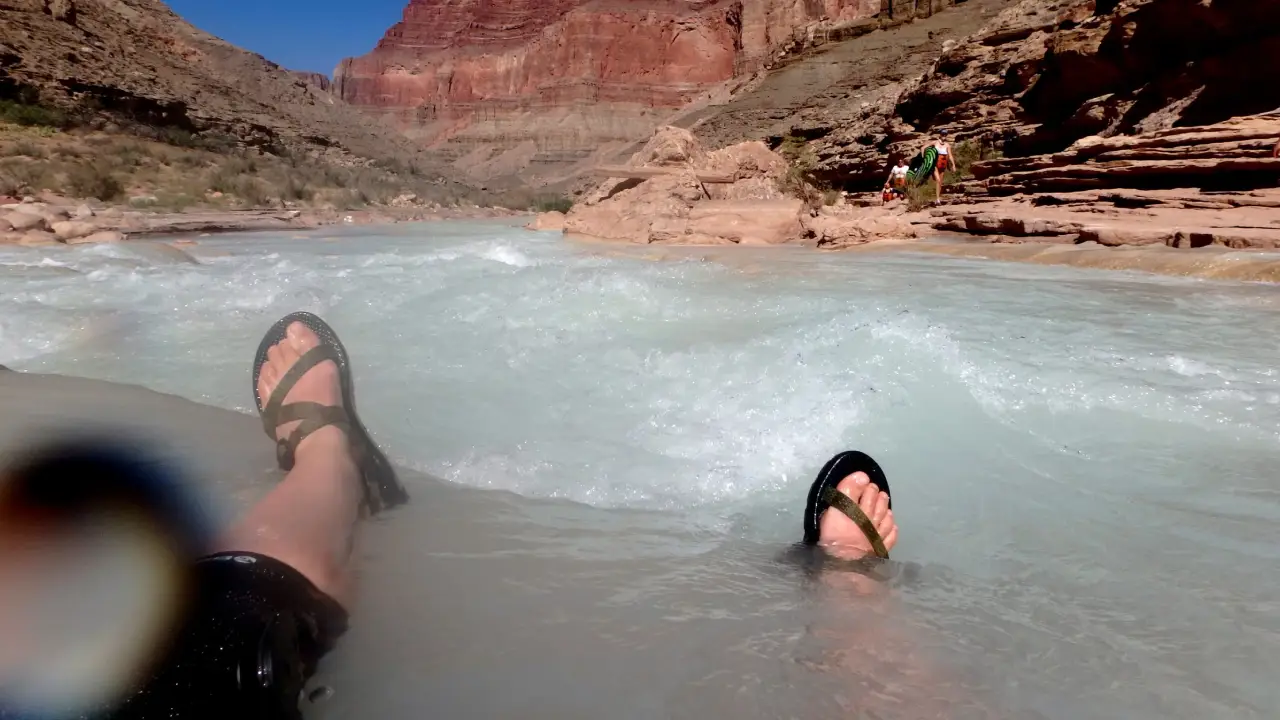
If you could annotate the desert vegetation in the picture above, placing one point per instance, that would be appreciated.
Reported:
(75, 154)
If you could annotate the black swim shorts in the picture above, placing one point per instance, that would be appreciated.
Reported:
(257, 629)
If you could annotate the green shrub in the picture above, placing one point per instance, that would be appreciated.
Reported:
(559, 203)
(921, 196)
(18, 177)
(30, 115)
(295, 188)
(964, 155)
(94, 180)
(211, 140)
(129, 155)
(252, 191)
(26, 148)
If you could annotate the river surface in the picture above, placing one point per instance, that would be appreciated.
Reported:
(1083, 468)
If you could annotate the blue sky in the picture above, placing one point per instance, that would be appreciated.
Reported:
(298, 34)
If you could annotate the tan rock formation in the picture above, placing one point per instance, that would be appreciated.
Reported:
(37, 238)
(1236, 153)
(837, 228)
(99, 237)
(23, 221)
(69, 230)
(553, 220)
(752, 209)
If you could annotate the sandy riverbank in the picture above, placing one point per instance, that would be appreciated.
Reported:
(54, 220)
(1215, 263)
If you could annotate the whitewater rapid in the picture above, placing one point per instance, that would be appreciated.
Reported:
(1090, 456)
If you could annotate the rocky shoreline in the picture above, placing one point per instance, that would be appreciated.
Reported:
(58, 221)
(674, 192)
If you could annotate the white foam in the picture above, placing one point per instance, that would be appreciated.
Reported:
(497, 358)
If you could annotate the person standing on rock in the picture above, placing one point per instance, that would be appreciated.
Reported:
(944, 161)
(896, 184)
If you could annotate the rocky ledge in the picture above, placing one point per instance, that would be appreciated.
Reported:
(35, 223)
(1184, 187)
(677, 193)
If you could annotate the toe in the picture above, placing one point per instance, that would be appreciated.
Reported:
(267, 380)
(288, 354)
(301, 337)
(890, 538)
(881, 508)
(868, 498)
(854, 484)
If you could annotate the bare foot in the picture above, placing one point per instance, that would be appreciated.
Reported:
(320, 384)
(841, 536)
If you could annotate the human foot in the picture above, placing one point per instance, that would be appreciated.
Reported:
(841, 536)
(306, 396)
(318, 389)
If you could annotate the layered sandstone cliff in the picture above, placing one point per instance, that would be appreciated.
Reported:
(1043, 75)
(509, 85)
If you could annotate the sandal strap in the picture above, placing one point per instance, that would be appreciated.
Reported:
(846, 505)
(313, 416)
(311, 358)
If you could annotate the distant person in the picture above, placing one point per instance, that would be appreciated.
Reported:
(267, 599)
(944, 162)
(896, 184)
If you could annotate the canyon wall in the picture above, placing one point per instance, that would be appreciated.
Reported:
(542, 87)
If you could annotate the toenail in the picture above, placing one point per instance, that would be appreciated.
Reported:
(861, 479)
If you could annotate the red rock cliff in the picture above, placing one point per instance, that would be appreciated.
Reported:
(554, 80)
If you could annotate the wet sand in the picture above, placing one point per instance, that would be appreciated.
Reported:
(572, 611)
(1214, 263)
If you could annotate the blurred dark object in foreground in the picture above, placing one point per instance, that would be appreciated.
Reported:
(97, 540)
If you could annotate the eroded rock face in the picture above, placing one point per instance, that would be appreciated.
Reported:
(565, 76)
(64, 10)
(752, 209)
(1045, 74)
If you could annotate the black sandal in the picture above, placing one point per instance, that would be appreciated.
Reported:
(823, 495)
(382, 489)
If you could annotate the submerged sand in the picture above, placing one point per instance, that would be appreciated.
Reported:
(572, 611)
(1216, 263)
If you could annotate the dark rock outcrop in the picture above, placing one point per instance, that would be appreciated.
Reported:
(1046, 74)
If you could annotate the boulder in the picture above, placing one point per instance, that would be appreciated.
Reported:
(84, 212)
(653, 211)
(36, 238)
(98, 237)
(1126, 235)
(5, 225)
(553, 220)
(26, 221)
(52, 215)
(771, 222)
(836, 228)
(68, 230)
(61, 10)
